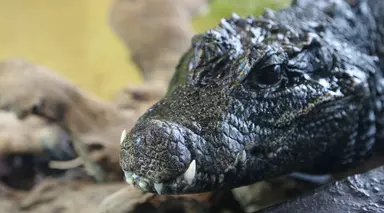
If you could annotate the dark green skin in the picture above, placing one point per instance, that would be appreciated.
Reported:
(297, 90)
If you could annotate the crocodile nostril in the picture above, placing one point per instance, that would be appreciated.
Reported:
(157, 150)
(158, 133)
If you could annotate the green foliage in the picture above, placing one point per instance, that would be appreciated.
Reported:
(224, 8)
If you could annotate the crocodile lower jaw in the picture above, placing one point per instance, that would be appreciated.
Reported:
(146, 185)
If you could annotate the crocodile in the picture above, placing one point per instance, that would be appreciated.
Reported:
(295, 90)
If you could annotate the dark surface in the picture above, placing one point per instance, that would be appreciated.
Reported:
(297, 90)
(356, 194)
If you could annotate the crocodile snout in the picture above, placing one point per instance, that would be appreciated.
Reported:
(157, 150)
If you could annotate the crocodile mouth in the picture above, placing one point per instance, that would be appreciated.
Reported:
(182, 182)
(147, 185)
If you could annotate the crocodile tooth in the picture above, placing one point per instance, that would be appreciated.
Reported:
(129, 181)
(241, 156)
(128, 177)
(128, 174)
(122, 137)
(143, 185)
(158, 187)
(189, 175)
(221, 179)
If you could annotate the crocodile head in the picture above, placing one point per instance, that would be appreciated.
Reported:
(246, 103)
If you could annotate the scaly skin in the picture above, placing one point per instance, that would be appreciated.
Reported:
(255, 98)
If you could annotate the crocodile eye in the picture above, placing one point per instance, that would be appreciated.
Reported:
(268, 75)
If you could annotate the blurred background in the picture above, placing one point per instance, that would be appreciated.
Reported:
(73, 37)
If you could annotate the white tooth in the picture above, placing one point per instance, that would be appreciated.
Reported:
(158, 187)
(241, 156)
(189, 175)
(128, 177)
(221, 178)
(128, 174)
(143, 185)
(122, 137)
(129, 180)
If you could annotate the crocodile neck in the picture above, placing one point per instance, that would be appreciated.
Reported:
(377, 8)
(363, 28)
(370, 14)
